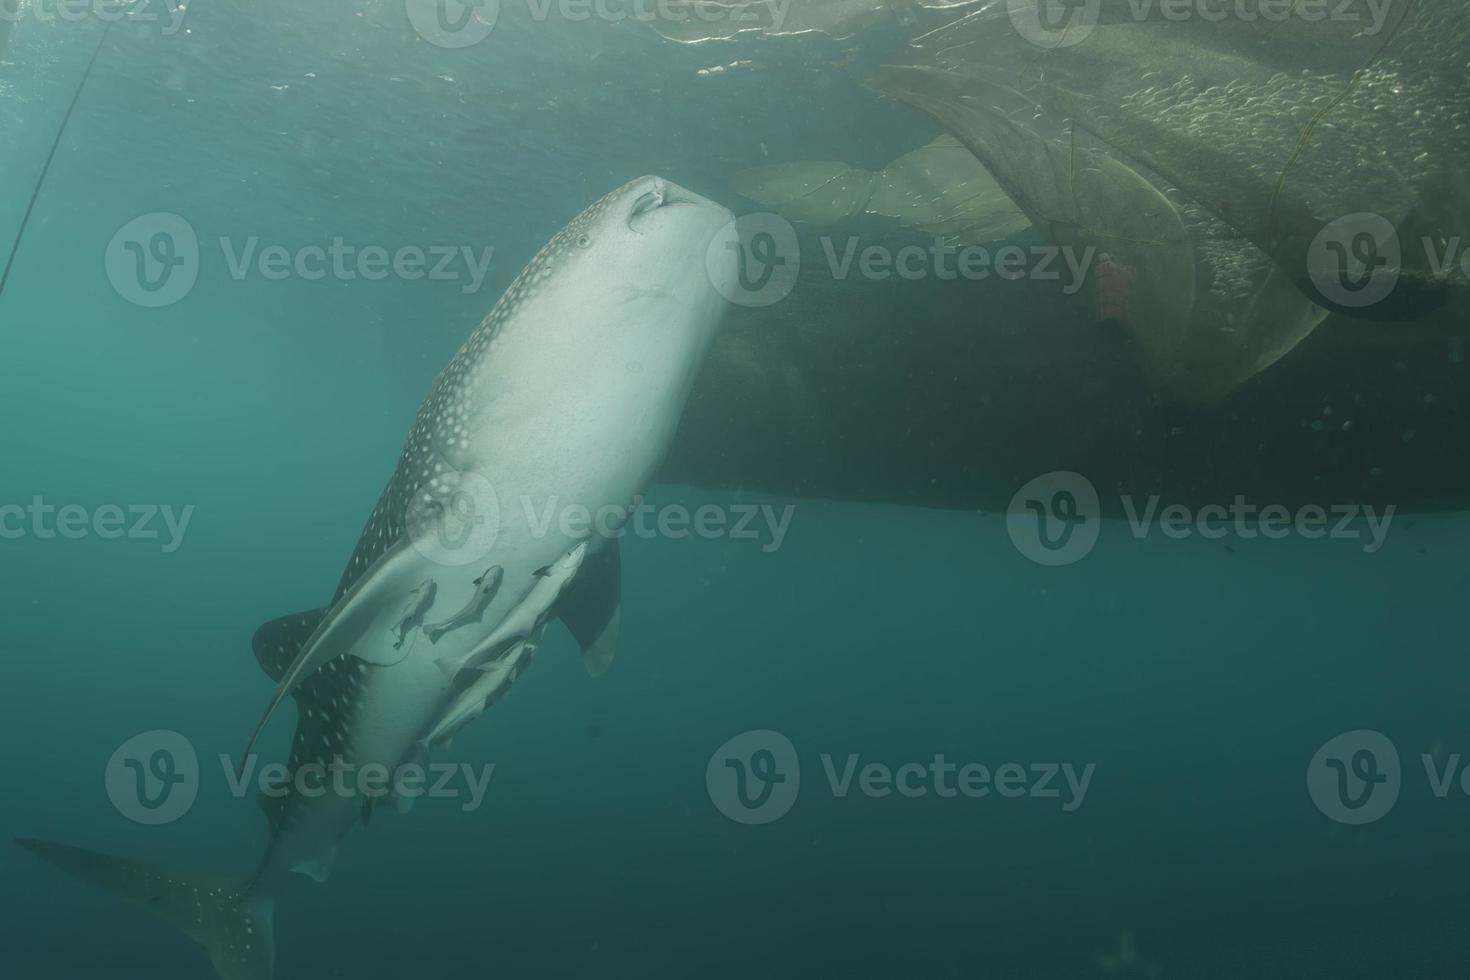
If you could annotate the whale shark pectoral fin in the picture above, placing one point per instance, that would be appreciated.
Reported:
(391, 596)
(278, 642)
(591, 608)
(383, 586)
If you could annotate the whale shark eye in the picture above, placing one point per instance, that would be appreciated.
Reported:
(584, 240)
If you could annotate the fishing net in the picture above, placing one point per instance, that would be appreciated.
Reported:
(817, 192)
(1204, 308)
(697, 21)
(1302, 125)
(1242, 167)
(939, 189)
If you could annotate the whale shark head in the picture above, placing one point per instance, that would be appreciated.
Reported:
(652, 237)
(644, 268)
(617, 311)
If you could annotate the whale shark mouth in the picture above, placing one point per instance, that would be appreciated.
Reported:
(648, 201)
(660, 195)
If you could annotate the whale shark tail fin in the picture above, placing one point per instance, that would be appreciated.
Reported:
(230, 922)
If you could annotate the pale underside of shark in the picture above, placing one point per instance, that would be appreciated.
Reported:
(569, 391)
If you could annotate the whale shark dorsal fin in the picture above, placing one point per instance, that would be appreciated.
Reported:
(277, 642)
(591, 608)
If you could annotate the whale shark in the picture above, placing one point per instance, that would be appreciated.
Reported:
(569, 391)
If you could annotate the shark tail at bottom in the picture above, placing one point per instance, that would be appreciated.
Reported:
(231, 921)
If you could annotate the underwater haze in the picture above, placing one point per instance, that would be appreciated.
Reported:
(840, 738)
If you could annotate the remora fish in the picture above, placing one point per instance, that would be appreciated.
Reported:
(566, 395)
